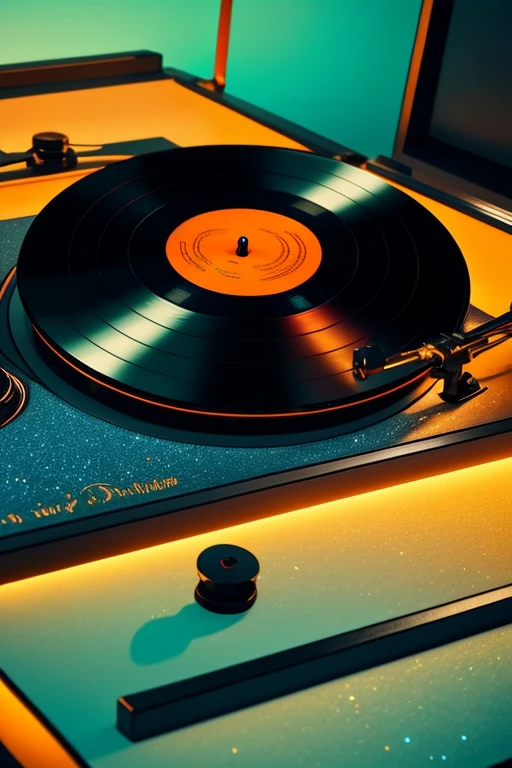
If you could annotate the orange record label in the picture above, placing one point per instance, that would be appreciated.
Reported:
(281, 252)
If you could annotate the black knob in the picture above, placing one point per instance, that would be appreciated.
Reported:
(13, 397)
(52, 150)
(227, 579)
(50, 142)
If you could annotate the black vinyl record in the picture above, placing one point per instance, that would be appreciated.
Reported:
(222, 290)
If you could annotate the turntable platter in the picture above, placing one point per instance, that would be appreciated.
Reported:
(221, 291)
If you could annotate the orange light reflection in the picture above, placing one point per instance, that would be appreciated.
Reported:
(26, 737)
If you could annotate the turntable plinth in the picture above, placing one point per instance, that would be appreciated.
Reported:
(82, 488)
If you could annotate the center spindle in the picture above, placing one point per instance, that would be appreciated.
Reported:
(243, 246)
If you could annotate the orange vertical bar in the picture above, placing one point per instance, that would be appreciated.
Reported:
(221, 53)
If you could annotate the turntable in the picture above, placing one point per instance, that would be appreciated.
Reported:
(272, 345)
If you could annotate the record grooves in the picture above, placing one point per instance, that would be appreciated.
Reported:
(143, 309)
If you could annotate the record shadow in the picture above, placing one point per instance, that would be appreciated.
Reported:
(165, 638)
(156, 641)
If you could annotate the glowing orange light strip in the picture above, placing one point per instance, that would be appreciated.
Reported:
(28, 736)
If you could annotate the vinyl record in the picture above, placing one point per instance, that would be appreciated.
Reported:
(222, 290)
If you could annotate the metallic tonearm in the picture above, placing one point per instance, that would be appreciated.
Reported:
(446, 354)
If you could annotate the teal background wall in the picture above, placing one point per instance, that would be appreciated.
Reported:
(337, 67)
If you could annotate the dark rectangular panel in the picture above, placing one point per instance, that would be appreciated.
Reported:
(455, 130)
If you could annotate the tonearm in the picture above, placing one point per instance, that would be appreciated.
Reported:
(447, 354)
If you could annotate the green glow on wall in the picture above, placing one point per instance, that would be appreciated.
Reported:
(337, 67)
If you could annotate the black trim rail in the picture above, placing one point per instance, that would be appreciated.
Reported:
(32, 73)
(78, 73)
(169, 707)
